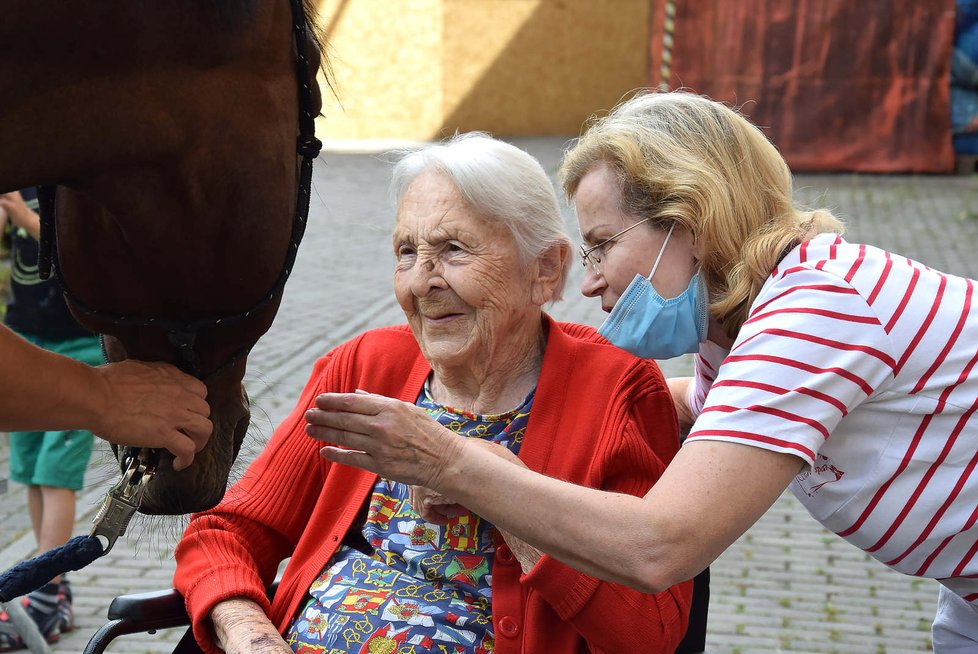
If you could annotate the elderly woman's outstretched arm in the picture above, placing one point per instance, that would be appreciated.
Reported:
(708, 496)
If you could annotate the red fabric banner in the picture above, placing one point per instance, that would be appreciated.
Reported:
(837, 85)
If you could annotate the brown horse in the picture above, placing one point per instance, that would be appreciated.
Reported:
(170, 129)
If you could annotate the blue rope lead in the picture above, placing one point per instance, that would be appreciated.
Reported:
(118, 507)
(32, 574)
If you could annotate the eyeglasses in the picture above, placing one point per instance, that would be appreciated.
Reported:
(594, 255)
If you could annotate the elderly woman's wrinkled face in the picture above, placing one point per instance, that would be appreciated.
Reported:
(458, 276)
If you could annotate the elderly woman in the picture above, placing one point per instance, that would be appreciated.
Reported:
(839, 370)
(479, 249)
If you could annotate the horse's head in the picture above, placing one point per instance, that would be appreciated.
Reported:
(173, 142)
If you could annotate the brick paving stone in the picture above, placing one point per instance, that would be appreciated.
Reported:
(787, 585)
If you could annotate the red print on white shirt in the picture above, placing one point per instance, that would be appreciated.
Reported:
(823, 472)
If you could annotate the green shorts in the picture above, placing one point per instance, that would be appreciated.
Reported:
(55, 458)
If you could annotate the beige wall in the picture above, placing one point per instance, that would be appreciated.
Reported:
(418, 69)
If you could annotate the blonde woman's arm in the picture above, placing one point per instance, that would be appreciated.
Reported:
(708, 496)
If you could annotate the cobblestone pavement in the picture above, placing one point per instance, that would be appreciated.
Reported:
(786, 585)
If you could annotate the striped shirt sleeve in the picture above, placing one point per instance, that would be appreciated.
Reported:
(706, 363)
(810, 351)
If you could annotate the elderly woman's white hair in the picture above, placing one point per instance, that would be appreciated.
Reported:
(500, 181)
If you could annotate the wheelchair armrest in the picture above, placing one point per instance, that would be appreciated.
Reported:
(142, 612)
(147, 609)
(147, 612)
(158, 609)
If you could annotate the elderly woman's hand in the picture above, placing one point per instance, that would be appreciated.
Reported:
(527, 555)
(241, 627)
(397, 440)
(434, 507)
(437, 509)
(400, 441)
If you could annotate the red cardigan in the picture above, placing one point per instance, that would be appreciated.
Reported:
(600, 418)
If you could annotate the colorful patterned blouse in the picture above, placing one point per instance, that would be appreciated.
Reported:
(424, 587)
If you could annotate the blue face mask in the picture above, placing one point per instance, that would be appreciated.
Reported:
(647, 325)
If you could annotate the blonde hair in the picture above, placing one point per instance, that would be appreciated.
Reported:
(684, 159)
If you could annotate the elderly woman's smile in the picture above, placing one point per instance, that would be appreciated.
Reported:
(441, 317)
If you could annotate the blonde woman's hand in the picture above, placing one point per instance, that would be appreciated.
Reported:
(399, 441)
(395, 439)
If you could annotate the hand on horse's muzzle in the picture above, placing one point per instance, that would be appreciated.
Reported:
(153, 405)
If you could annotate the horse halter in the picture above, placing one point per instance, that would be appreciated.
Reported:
(182, 335)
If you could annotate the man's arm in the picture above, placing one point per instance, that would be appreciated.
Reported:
(131, 403)
(43, 390)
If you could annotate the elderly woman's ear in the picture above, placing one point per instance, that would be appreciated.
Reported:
(548, 273)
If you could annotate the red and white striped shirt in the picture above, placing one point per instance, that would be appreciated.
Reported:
(863, 363)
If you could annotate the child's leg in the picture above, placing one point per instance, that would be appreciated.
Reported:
(57, 518)
(35, 506)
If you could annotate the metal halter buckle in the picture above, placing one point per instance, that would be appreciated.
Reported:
(122, 501)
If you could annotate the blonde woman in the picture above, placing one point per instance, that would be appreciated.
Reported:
(842, 371)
